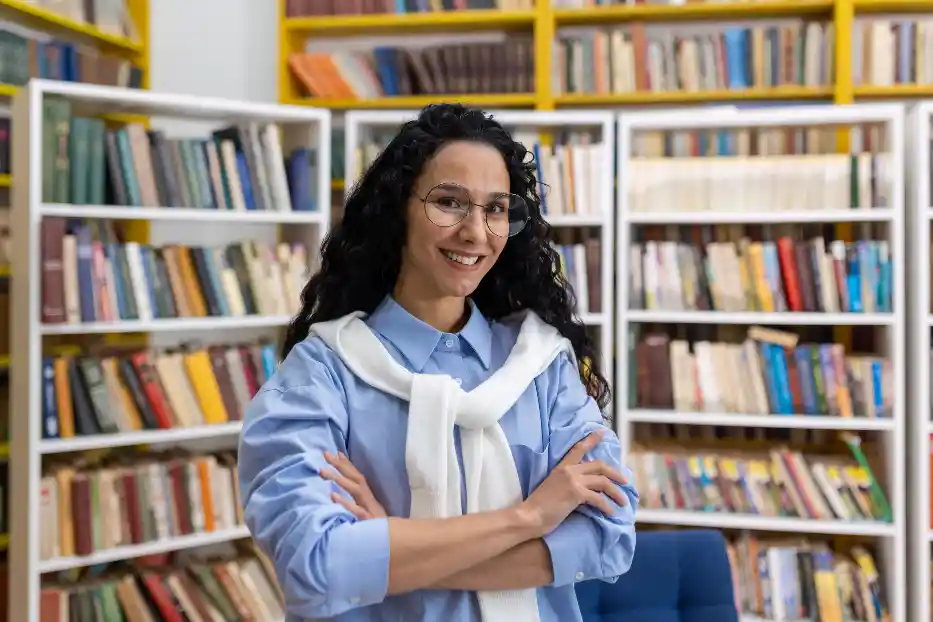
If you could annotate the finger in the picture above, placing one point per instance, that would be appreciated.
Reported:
(599, 501)
(578, 451)
(346, 467)
(335, 461)
(598, 467)
(351, 507)
(606, 486)
(354, 489)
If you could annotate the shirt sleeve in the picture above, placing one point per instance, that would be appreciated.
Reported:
(327, 561)
(589, 544)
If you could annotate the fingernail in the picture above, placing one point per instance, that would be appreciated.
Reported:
(340, 455)
(328, 455)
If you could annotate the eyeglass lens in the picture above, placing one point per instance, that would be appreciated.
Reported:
(448, 204)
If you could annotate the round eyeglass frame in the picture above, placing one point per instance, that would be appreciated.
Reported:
(424, 204)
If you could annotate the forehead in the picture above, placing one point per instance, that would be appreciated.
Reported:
(473, 165)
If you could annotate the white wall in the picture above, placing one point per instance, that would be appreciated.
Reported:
(221, 48)
(216, 48)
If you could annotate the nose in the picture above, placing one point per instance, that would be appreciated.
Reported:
(473, 227)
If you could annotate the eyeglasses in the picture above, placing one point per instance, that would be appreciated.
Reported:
(448, 204)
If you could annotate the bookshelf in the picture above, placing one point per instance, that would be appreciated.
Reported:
(749, 421)
(920, 318)
(544, 23)
(228, 304)
(577, 232)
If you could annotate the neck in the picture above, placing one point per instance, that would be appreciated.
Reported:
(447, 315)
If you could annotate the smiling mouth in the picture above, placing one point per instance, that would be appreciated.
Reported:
(467, 261)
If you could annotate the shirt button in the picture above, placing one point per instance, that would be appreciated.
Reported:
(459, 381)
(580, 576)
(449, 343)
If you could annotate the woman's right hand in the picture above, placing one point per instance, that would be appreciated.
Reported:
(573, 483)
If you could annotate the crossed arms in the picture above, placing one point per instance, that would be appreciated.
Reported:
(577, 524)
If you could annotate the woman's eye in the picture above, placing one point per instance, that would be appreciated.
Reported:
(448, 203)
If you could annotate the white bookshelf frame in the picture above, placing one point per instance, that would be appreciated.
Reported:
(358, 122)
(891, 538)
(919, 218)
(307, 126)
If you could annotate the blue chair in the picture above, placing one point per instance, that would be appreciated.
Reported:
(676, 576)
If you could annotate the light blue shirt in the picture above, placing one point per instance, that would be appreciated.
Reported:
(331, 565)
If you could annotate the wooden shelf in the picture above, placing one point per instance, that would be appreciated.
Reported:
(895, 91)
(692, 11)
(446, 20)
(37, 17)
(503, 100)
(692, 97)
(893, 6)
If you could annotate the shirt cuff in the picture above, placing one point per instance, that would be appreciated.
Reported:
(358, 557)
(572, 546)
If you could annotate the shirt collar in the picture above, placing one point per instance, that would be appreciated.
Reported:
(417, 340)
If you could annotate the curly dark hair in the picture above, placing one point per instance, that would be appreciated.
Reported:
(362, 254)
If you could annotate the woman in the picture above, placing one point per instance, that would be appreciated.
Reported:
(436, 346)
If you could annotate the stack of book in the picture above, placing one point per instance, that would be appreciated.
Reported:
(239, 167)
(152, 390)
(90, 275)
(136, 498)
(240, 587)
(803, 579)
(779, 483)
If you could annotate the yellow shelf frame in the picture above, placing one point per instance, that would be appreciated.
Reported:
(39, 18)
(544, 21)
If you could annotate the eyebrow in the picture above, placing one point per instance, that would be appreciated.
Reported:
(452, 185)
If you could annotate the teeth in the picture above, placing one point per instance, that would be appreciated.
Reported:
(467, 261)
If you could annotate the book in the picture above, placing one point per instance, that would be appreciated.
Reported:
(57, 59)
(237, 168)
(581, 265)
(569, 166)
(752, 376)
(229, 587)
(316, 8)
(135, 498)
(134, 390)
(889, 51)
(802, 578)
(500, 63)
(640, 57)
(781, 482)
(90, 275)
(738, 268)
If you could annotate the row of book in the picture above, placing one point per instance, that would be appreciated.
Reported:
(88, 275)
(767, 141)
(503, 64)
(804, 183)
(584, 4)
(800, 579)
(888, 51)
(135, 499)
(151, 390)
(241, 587)
(239, 168)
(743, 274)
(569, 172)
(779, 483)
(770, 373)
(694, 58)
(113, 17)
(698, 435)
(313, 8)
(54, 59)
(581, 265)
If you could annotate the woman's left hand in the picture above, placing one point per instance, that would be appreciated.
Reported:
(363, 504)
